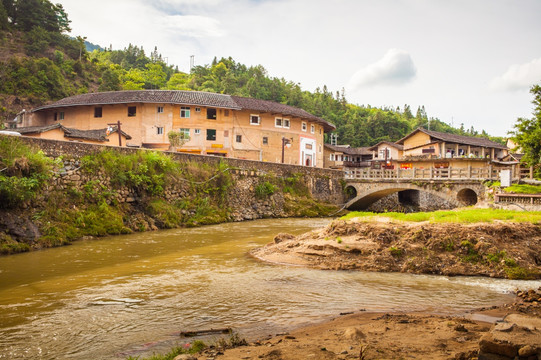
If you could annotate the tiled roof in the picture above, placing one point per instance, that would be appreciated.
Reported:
(96, 134)
(146, 96)
(194, 98)
(392, 144)
(346, 149)
(272, 107)
(456, 139)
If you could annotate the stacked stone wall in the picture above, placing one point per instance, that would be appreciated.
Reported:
(323, 184)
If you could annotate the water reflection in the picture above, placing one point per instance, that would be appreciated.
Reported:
(103, 299)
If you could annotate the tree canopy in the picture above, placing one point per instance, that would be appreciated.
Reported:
(527, 133)
(57, 66)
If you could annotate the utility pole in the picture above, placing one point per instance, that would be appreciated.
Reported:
(117, 124)
(192, 61)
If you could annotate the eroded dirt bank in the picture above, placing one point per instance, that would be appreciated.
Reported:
(499, 249)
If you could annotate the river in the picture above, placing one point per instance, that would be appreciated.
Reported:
(131, 295)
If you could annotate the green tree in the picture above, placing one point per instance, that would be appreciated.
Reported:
(4, 22)
(110, 80)
(154, 76)
(133, 79)
(527, 133)
(178, 81)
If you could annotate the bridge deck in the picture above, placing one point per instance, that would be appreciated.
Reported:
(469, 173)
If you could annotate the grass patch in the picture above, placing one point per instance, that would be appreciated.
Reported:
(523, 189)
(193, 348)
(466, 215)
(520, 273)
(10, 246)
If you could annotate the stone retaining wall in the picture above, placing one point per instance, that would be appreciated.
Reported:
(323, 184)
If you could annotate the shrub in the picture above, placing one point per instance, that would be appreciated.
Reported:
(396, 252)
(265, 190)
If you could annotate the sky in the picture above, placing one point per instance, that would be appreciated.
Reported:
(468, 62)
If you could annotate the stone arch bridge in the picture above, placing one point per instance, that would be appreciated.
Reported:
(457, 192)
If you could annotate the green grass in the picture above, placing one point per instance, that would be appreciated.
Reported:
(523, 189)
(466, 215)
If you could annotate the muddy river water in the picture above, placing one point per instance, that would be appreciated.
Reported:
(131, 295)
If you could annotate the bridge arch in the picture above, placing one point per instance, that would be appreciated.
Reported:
(467, 197)
(351, 192)
(456, 194)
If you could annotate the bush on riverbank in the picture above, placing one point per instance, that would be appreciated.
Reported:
(23, 172)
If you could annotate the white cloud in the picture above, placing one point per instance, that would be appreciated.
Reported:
(395, 68)
(518, 77)
(193, 26)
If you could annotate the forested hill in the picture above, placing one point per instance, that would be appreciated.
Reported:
(40, 62)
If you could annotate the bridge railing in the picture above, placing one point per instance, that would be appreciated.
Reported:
(486, 173)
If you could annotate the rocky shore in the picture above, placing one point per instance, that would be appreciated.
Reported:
(498, 249)
(515, 333)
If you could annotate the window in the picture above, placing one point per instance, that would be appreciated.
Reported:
(239, 138)
(285, 123)
(332, 157)
(211, 134)
(184, 111)
(308, 146)
(98, 112)
(226, 133)
(55, 116)
(197, 109)
(278, 122)
(255, 120)
(159, 130)
(197, 131)
(265, 140)
(185, 133)
(304, 126)
(61, 115)
(211, 114)
(312, 129)
(160, 109)
(384, 151)
(226, 112)
(132, 111)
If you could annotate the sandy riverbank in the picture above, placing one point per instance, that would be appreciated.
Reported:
(365, 335)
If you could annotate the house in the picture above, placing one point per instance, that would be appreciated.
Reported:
(344, 156)
(105, 136)
(425, 148)
(385, 154)
(215, 124)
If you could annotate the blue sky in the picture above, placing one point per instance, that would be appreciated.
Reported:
(468, 62)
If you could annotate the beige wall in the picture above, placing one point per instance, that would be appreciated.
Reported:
(418, 139)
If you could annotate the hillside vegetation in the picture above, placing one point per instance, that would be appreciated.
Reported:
(40, 63)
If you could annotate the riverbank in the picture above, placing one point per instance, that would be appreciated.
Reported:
(364, 335)
(90, 191)
(500, 249)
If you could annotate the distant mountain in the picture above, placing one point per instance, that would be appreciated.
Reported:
(91, 47)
